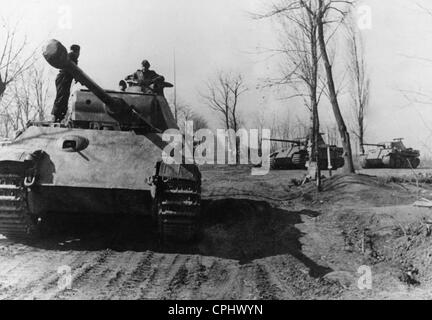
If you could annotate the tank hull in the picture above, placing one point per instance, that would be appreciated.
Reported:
(292, 161)
(390, 155)
(49, 171)
(112, 159)
(296, 159)
(389, 162)
(50, 200)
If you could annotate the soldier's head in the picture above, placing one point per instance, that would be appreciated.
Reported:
(122, 85)
(145, 64)
(75, 49)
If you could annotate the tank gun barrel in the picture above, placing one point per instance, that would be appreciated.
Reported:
(298, 142)
(374, 145)
(57, 56)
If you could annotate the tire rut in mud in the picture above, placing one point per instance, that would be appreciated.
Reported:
(233, 259)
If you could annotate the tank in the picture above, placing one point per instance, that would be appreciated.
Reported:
(105, 161)
(297, 155)
(393, 155)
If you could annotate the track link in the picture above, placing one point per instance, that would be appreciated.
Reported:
(178, 204)
(15, 222)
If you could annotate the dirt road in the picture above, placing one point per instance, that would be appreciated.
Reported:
(263, 238)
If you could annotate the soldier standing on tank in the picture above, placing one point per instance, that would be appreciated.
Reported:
(145, 77)
(63, 85)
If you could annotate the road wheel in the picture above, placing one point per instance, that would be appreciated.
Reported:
(299, 159)
(389, 162)
(398, 163)
(340, 162)
(273, 164)
(415, 163)
(364, 163)
(15, 220)
(178, 208)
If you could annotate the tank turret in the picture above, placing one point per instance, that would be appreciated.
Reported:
(128, 115)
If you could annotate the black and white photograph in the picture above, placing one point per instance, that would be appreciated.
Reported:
(199, 151)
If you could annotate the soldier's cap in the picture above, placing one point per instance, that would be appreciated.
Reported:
(75, 47)
(145, 63)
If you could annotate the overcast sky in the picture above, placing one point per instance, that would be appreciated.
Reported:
(213, 35)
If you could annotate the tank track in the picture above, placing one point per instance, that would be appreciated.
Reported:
(299, 160)
(15, 221)
(178, 209)
(273, 165)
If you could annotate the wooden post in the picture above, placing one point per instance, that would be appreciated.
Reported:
(330, 167)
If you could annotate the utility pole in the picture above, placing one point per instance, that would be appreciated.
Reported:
(175, 88)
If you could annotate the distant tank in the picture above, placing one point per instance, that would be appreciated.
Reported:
(296, 156)
(393, 155)
(105, 161)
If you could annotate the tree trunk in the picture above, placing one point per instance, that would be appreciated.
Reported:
(227, 124)
(314, 105)
(315, 149)
(2, 87)
(346, 143)
(361, 140)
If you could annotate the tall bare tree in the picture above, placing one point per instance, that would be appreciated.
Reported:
(330, 11)
(26, 101)
(359, 81)
(299, 46)
(40, 80)
(222, 95)
(186, 113)
(417, 96)
(14, 59)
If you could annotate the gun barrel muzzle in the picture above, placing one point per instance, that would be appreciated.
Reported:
(55, 54)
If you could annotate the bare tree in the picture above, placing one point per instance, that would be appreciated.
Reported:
(417, 96)
(301, 64)
(13, 58)
(282, 128)
(186, 113)
(325, 17)
(312, 18)
(199, 121)
(6, 121)
(27, 100)
(222, 95)
(40, 80)
(359, 81)
(324, 14)
(332, 135)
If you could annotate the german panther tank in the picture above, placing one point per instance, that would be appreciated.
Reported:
(393, 155)
(105, 160)
(297, 155)
(293, 157)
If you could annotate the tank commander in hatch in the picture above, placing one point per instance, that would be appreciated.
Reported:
(122, 85)
(145, 77)
(63, 84)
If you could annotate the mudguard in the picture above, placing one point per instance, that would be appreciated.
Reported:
(188, 172)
